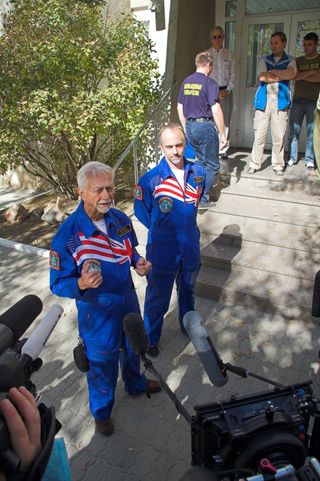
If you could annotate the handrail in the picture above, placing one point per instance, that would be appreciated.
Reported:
(133, 143)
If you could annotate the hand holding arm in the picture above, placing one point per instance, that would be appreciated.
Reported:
(308, 76)
(287, 74)
(268, 77)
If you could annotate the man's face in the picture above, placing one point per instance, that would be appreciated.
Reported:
(217, 38)
(97, 195)
(173, 145)
(277, 46)
(310, 48)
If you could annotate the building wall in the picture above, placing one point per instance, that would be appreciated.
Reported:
(189, 30)
(116, 7)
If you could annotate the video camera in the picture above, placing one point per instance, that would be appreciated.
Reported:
(261, 437)
(19, 359)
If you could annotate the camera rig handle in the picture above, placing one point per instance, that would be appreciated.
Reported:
(243, 372)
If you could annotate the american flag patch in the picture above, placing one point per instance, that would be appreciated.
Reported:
(171, 187)
(99, 247)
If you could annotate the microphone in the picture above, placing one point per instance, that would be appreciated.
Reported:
(134, 328)
(38, 339)
(16, 320)
(202, 343)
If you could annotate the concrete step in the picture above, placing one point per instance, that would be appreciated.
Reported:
(290, 296)
(263, 257)
(266, 209)
(274, 193)
(234, 227)
(296, 178)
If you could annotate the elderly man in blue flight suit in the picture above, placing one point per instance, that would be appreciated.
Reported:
(90, 261)
(166, 202)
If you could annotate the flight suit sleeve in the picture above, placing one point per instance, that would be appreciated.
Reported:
(64, 273)
(135, 253)
(143, 203)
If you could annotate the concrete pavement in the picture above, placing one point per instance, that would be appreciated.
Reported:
(151, 441)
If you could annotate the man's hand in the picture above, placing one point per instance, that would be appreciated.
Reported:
(223, 141)
(89, 280)
(23, 422)
(270, 76)
(223, 93)
(143, 267)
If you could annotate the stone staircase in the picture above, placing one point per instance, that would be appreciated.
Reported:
(261, 243)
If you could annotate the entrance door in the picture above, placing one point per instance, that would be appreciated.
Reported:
(256, 34)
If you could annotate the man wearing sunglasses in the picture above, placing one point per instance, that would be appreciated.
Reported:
(223, 73)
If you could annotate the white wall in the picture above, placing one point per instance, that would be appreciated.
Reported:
(142, 11)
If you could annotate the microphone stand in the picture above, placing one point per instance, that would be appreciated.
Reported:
(179, 406)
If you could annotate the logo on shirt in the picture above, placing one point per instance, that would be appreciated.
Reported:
(54, 261)
(165, 204)
(192, 89)
(198, 179)
(137, 193)
(124, 230)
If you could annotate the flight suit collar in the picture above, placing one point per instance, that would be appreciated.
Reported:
(87, 225)
(166, 170)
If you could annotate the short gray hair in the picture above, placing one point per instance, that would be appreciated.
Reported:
(91, 169)
(217, 27)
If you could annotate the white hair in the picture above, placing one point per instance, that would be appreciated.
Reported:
(91, 169)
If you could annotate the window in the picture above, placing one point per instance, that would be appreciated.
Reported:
(230, 35)
(255, 7)
(231, 8)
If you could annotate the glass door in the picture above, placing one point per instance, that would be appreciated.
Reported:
(256, 34)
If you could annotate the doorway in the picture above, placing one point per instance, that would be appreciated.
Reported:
(256, 35)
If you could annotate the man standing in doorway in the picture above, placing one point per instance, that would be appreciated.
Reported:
(201, 116)
(224, 74)
(166, 201)
(306, 90)
(272, 102)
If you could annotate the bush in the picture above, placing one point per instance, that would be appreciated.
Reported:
(74, 87)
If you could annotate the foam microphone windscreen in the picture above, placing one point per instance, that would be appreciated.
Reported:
(136, 334)
(21, 315)
(201, 341)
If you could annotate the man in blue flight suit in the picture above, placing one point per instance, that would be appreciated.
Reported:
(166, 202)
(90, 261)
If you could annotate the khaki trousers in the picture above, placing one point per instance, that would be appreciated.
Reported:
(278, 122)
(226, 107)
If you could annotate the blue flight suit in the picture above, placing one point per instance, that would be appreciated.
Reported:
(101, 310)
(173, 247)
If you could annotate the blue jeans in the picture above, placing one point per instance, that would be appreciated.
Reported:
(299, 109)
(204, 140)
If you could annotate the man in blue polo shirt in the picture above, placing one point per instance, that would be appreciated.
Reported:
(201, 116)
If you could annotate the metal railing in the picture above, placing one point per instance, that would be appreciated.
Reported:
(133, 144)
